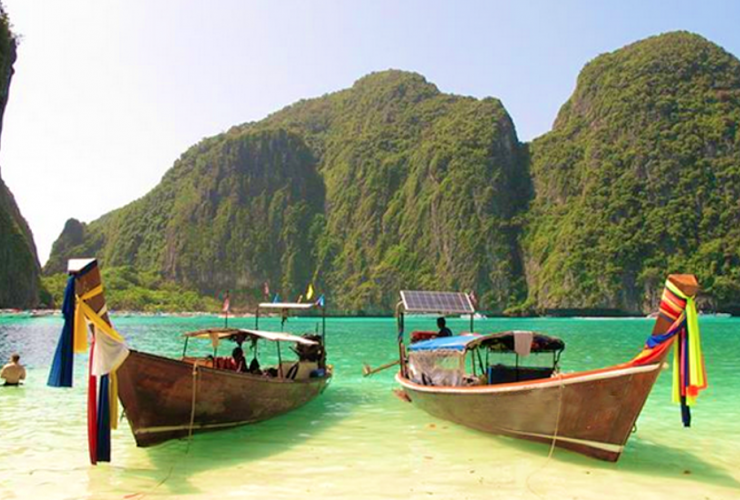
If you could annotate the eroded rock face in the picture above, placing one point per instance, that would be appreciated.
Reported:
(422, 190)
(235, 211)
(73, 235)
(639, 178)
(19, 267)
(385, 185)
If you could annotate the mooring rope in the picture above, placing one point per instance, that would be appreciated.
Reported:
(190, 437)
(192, 405)
(554, 437)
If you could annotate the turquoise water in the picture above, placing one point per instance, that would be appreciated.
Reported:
(358, 440)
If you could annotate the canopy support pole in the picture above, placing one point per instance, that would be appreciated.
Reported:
(323, 326)
(280, 361)
(401, 350)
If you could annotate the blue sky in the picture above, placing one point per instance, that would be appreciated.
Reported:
(107, 95)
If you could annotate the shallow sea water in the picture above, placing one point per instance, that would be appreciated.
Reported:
(358, 440)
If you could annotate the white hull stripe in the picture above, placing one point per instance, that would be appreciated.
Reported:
(614, 448)
(196, 426)
(536, 384)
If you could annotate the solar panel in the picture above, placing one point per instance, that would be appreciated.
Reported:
(436, 302)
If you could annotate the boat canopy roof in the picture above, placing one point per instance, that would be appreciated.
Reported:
(500, 342)
(418, 301)
(288, 305)
(233, 333)
(456, 343)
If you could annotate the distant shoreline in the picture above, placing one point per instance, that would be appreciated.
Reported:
(39, 313)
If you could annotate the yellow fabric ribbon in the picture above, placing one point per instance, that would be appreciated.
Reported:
(697, 377)
(99, 322)
(84, 314)
(79, 338)
(113, 392)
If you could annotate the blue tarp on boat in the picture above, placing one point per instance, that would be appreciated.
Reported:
(456, 343)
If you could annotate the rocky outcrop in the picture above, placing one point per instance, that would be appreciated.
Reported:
(639, 178)
(19, 267)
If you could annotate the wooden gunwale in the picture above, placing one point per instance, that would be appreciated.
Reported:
(230, 373)
(554, 381)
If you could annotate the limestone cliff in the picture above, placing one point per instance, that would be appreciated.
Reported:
(19, 267)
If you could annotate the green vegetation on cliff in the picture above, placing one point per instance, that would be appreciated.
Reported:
(640, 177)
(128, 289)
(421, 190)
(392, 184)
(232, 213)
(385, 185)
(19, 268)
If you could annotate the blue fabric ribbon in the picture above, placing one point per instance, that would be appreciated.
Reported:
(63, 364)
(103, 441)
(655, 340)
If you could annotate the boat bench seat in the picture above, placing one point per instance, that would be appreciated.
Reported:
(502, 374)
(304, 369)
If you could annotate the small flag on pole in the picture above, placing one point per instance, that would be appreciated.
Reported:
(473, 299)
(320, 302)
(227, 303)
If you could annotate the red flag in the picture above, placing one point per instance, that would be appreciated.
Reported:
(92, 409)
(227, 304)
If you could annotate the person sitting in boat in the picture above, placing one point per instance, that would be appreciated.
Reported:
(443, 330)
(239, 360)
(13, 372)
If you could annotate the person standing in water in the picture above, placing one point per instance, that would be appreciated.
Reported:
(13, 372)
(443, 330)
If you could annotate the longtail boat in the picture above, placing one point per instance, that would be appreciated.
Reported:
(165, 398)
(591, 412)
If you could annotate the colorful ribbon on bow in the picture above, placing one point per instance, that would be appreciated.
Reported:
(689, 372)
(107, 352)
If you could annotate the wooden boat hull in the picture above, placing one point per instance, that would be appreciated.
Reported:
(592, 413)
(160, 399)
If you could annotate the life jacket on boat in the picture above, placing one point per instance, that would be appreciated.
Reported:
(224, 363)
(419, 336)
